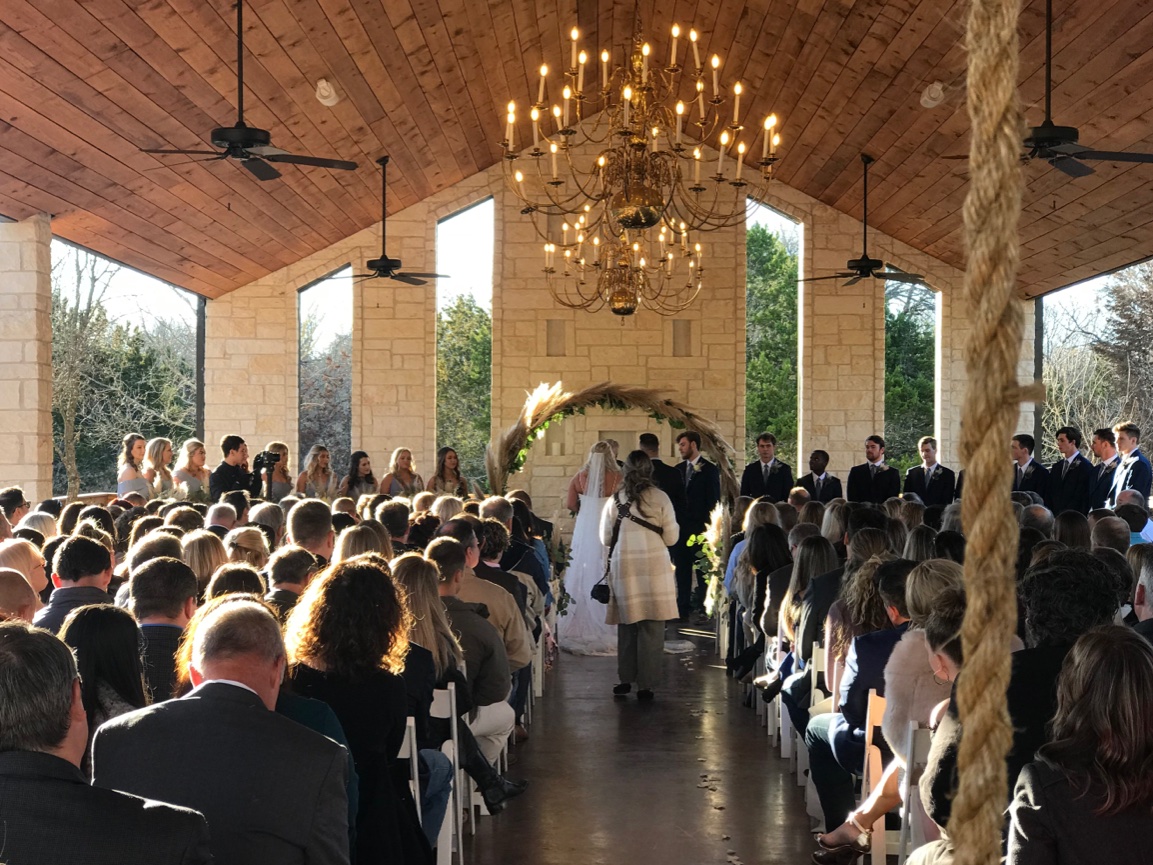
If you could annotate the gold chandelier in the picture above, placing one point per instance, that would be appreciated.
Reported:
(617, 183)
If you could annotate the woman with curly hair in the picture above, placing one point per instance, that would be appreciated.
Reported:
(347, 639)
(129, 476)
(318, 480)
(402, 479)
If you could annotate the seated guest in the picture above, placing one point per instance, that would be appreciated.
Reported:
(234, 751)
(289, 571)
(185, 517)
(107, 647)
(356, 541)
(799, 497)
(347, 639)
(1143, 601)
(1112, 532)
(23, 557)
(13, 504)
(950, 545)
(1072, 529)
(162, 595)
(859, 610)
(836, 741)
(1135, 517)
(236, 578)
(394, 517)
(17, 599)
(758, 514)
(269, 518)
(248, 546)
(493, 539)
(519, 556)
(310, 527)
(81, 572)
(241, 503)
(1088, 797)
(221, 519)
(1038, 517)
(204, 552)
(921, 544)
(1133, 497)
(42, 741)
(486, 660)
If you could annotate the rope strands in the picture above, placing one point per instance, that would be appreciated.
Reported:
(990, 410)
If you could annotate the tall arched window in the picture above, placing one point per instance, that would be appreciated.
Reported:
(910, 370)
(325, 393)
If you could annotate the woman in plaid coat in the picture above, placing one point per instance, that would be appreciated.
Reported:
(643, 592)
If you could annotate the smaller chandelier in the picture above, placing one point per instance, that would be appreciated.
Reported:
(619, 219)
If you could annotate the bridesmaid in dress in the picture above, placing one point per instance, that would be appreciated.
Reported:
(318, 480)
(402, 479)
(281, 477)
(448, 480)
(129, 479)
(190, 470)
(359, 481)
(157, 457)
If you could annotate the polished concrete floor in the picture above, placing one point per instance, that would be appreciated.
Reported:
(685, 780)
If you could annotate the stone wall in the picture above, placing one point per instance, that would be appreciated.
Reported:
(26, 356)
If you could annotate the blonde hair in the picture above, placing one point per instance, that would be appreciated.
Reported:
(759, 514)
(430, 625)
(925, 585)
(835, 522)
(154, 459)
(421, 502)
(20, 555)
(312, 466)
(356, 541)
(446, 507)
(282, 449)
(392, 464)
(248, 546)
(43, 523)
(204, 552)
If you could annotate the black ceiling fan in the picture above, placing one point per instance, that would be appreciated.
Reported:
(385, 267)
(249, 146)
(865, 267)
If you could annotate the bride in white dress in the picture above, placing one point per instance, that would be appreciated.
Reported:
(582, 629)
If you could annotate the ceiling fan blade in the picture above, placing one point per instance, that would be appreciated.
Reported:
(834, 276)
(317, 161)
(260, 169)
(1114, 156)
(428, 275)
(182, 152)
(187, 162)
(892, 276)
(1071, 166)
(408, 279)
(854, 281)
(267, 150)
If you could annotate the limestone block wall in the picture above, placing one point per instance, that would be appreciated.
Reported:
(26, 356)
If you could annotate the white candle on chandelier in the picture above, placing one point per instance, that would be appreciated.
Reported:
(557, 117)
(645, 51)
(575, 34)
(673, 47)
(770, 122)
(540, 89)
(535, 115)
(656, 132)
(552, 151)
(627, 95)
(509, 130)
(776, 142)
(721, 153)
(736, 103)
(567, 94)
(546, 255)
(564, 234)
(701, 99)
(680, 119)
(697, 250)
(696, 166)
(605, 69)
(684, 237)
(669, 262)
(716, 64)
(582, 59)
(696, 50)
(740, 158)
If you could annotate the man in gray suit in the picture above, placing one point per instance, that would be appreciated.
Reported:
(48, 811)
(272, 790)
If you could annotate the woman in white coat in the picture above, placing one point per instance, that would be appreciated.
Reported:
(643, 591)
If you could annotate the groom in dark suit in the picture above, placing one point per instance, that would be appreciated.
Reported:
(934, 483)
(873, 481)
(702, 484)
(664, 476)
(767, 476)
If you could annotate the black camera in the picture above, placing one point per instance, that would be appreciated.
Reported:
(264, 459)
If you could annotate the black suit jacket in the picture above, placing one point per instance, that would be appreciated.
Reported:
(52, 817)
(672, 482)
(284, 600)
(1133, 473)
(272, 790)
(1074, 491)
(701, 496)
(159, 644)
(864, 486)
(1036, 479)
(830, 487)
(776, 490)
(939, 489)
(1102, 483)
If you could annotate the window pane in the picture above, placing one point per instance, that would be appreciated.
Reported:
(326, 369)
(910, 370)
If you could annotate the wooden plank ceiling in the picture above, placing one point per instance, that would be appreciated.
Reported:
(84, 84)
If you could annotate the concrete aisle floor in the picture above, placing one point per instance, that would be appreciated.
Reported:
(688, 779)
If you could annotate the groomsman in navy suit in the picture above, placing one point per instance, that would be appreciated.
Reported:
(1104, 447)
(1071, 477)
(934, 483)
(767, 476)
(1134, 472)
(1028, 476)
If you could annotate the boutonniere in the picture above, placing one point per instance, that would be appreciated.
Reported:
(697, 467)
(1028, 471)
(774, 468)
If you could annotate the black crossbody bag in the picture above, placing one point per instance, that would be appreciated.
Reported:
(600, 592)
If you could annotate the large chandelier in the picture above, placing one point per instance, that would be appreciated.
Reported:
(617, 182)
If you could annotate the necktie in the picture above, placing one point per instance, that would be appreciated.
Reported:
(817, 489)
(688, 473)
(765, 472)
(1020, 475)
(1064, 469)
(872, 470)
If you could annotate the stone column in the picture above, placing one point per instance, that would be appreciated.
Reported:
(26, 356)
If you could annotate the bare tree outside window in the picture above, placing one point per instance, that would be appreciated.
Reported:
(326, 369)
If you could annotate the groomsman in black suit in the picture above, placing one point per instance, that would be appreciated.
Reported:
(767, 476)
(1104, 447)
(935, 484)
(1028, 476)
(664, 476)
(702, 484)
(873, 481)
(820, 485)
(1071, 477)
(1134, 472)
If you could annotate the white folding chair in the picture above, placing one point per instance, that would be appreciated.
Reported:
(815, 668)
(917, 744)
(873, 770)
(409, 751)
(538, 668)
(444, 706)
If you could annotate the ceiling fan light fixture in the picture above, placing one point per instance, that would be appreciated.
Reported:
(326, 93)
(933, 95)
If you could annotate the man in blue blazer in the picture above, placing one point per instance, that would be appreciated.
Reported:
(1134, 472)
(1104, 447)
(702, 483)
(1071, 477)
(935, 484)
(767, 476)
(1029, 476)
(836, 741)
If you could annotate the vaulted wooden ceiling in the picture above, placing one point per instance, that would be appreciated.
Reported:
(85, 83)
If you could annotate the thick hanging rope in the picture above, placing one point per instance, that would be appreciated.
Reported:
(992, 403)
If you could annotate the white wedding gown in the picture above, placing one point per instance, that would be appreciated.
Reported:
(582, 629)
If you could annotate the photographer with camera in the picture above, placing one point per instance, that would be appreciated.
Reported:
(233, 474)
